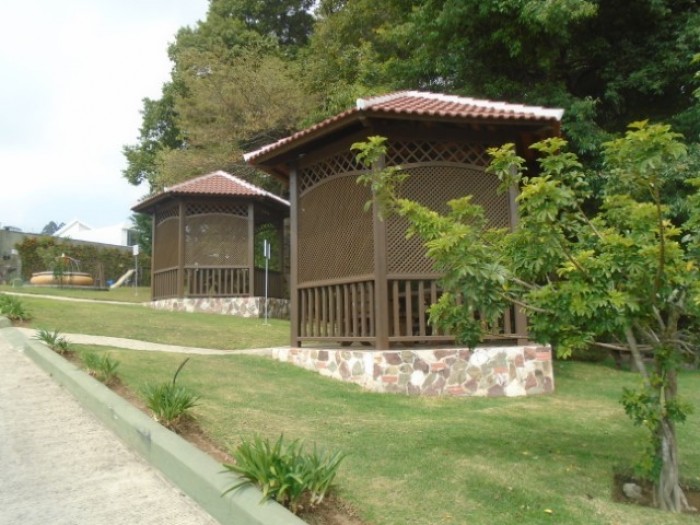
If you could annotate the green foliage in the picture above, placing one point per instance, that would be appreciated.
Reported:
(13, 308)
(101, 366)
(622, 278)
(285, 472)
(170, 402)
(54, 340)
(38, 253)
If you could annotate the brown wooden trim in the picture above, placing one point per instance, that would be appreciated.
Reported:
(381, 286)
(293, 257)
(251, 248)
(181, 250)
(331, 282)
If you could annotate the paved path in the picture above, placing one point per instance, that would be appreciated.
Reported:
(59, 465)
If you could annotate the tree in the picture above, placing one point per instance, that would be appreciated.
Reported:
(626, 278)
(234, 85)
(604, 62)
(142, 224)
(51, 228)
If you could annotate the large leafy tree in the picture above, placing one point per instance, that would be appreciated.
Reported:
(626, 278)
(606, 62)
(212, 108)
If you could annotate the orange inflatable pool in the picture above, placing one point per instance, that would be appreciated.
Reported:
(68, 278)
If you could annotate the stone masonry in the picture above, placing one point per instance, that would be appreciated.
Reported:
(485, 371)
(237, 306)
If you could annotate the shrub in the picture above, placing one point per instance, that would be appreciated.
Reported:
(54, 340)
(284, 472)
(170, 402)
(101, 367)
(12, 308)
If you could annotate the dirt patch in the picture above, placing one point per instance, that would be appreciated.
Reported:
(629, 489)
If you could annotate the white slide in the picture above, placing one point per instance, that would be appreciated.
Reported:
(122, 279)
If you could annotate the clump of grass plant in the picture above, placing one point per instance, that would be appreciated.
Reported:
(54, 340)
(13, 308)
(170, 402)
(100, 366)
(285, 472)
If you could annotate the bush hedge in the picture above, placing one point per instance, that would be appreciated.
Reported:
(115, 262)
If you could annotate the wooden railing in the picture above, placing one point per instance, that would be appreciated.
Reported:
(213, 281)
(203, 281)
(344, 312)
(165, 283)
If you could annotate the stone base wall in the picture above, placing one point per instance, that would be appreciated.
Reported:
(238, 306)
(487, 371)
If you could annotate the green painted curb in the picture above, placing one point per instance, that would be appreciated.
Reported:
(197, 474)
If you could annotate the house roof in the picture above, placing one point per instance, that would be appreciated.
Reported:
(416, 104)
(218, 183)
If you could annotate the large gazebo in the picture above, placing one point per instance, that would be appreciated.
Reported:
(356, 278)
(206, 233)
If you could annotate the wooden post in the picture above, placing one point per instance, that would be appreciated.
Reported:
(293, 253)
(181, 250)
(154, 218)
(381, 286)
(520, 317)
(251, 250)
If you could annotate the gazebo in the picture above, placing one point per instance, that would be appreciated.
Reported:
(207, 235)
(357, 279)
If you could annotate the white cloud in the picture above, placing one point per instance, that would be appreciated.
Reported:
(73, 77)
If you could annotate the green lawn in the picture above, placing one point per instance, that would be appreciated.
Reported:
(143, 323)
(122, 294)
(412, 460)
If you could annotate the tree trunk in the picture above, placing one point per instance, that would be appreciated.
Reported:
(668, 492)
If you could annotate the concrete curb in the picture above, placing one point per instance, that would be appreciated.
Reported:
(196, 473)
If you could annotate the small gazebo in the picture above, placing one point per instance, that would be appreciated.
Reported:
(206, 234)
(355, 278)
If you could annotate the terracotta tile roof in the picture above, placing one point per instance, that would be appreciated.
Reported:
(423, 104)
(218, 183)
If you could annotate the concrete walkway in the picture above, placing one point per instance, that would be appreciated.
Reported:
(133, 344)
(59, 465)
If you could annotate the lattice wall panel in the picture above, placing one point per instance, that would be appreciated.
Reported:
(434, 186)
(216, 239)
(343, 162)
(166, 213)
(165, 245)
(414, 152)
(208, 208)
(335, 233)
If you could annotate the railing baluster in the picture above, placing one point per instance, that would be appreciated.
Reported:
(421, 308)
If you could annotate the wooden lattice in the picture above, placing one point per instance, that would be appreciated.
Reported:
(203, 208)
(216, 239)
(335, 233)
(401, 153)
(165, 243)
(434, 186)
(163, 214)
(337, 164)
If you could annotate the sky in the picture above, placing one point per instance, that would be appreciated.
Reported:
(73, 74)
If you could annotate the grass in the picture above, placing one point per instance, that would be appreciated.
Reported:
(412, 460)
(123, 294)
(146, 324)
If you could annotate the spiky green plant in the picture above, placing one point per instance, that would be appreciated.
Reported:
(54, 340)
(101, 367)
(170, 402)
(13, 308)
(284, 472)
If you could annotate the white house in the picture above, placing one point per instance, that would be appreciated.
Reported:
(117, 234)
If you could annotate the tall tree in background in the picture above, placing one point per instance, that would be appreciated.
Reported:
(233, 85)
(51, 228)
